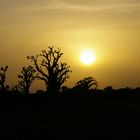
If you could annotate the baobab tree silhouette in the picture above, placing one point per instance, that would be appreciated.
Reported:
(26, 77)
(50, 70)
(3, 86)
(86, 83)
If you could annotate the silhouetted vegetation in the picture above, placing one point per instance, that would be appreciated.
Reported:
(3, 86)
(50, 70)
(86, 84)
(26, 77)
(80, 112)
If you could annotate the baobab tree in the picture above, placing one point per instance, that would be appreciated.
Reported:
(26, 77)
(3, 86)
(86, 84)
(53, 72)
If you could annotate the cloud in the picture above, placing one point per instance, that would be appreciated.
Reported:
(84, 6)
(16, 10)
(69, 5)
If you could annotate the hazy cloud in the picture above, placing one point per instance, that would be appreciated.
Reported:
(75, 5)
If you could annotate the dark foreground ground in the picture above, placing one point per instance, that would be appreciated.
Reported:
(70, 118)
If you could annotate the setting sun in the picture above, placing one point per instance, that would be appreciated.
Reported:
(87, 57)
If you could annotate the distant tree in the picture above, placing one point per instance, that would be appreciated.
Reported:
(86, 84)
(50, 70)
(66, 90)
(108, 89)
(39, 92)
(26, 77)
(3, 86)
(16, 89)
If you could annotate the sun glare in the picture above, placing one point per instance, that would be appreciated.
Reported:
(87, 57)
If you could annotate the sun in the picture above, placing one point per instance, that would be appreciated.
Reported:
(87, 57)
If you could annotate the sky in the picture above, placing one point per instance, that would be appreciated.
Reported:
(111, 28)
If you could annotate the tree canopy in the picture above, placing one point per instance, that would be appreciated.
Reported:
(53, 72)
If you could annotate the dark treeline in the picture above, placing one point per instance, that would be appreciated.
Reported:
(80, 92)
(72, 114)
(63, 113)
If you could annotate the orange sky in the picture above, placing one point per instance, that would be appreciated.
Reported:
(110, 27)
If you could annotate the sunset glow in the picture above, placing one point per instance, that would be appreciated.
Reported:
(87, 57)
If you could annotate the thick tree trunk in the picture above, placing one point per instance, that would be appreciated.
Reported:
(26, 92)
(52, 89)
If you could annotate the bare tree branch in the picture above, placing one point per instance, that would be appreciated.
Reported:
(49, 69)
(3, 78)
(26, 77)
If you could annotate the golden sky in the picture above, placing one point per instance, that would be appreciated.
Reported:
(110, 27)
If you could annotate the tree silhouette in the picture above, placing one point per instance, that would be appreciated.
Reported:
(50, 70)
(3, 86)
(86, 84)
(17, 89)
(26, 78)
(108, 89)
